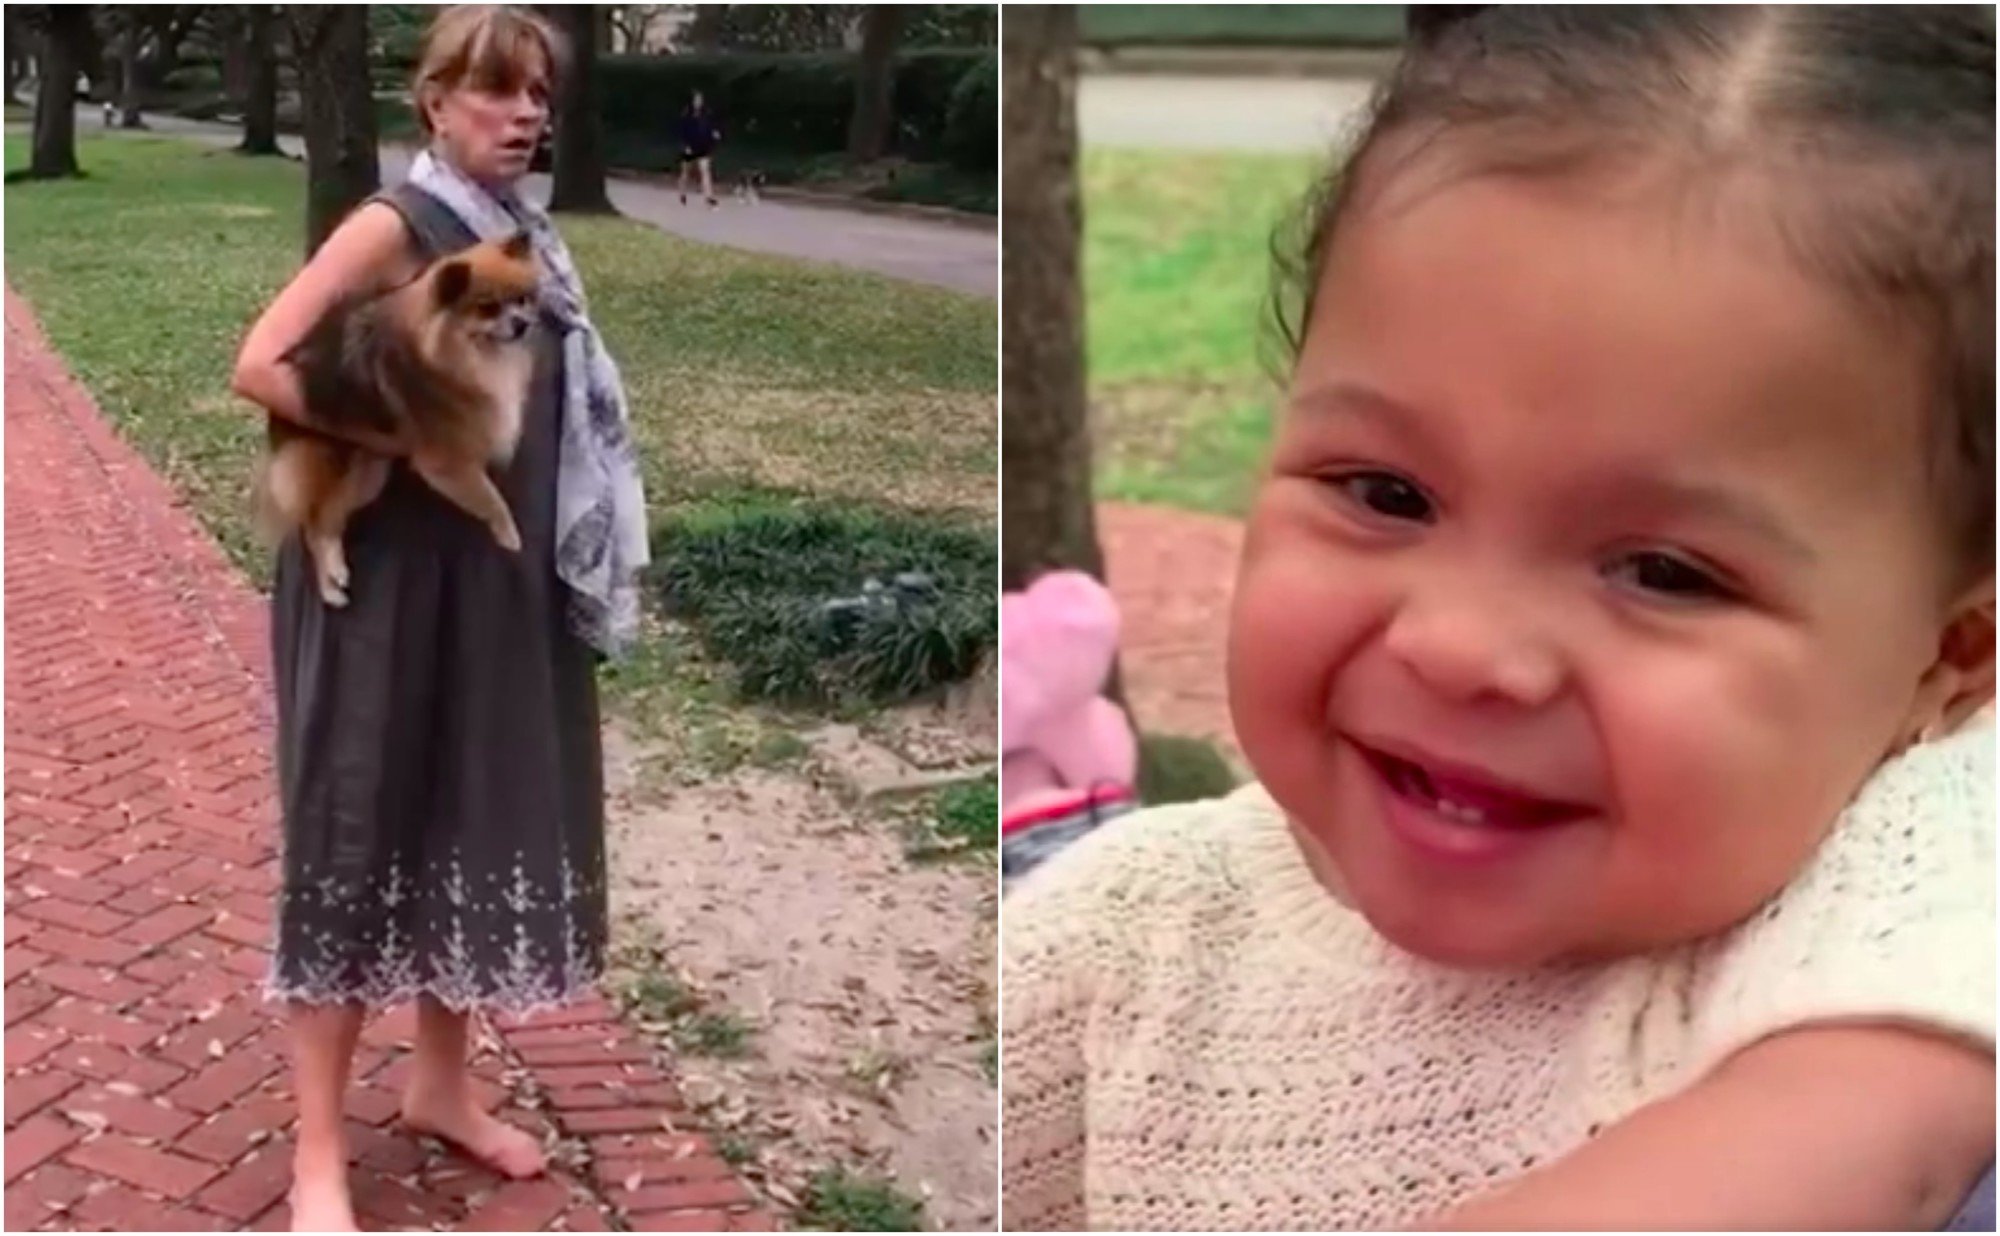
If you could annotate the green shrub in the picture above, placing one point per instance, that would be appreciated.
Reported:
(1173, 769)
(934, 184)
(926, 82)
(193, 79)
(970, 812)
(822, 605)
(972, 124)
(839, 1200)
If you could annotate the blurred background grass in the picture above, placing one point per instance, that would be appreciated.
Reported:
(1177, 270)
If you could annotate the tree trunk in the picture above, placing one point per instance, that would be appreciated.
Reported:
(260, 99)
(232, 30)
(875, 83)
(130, 99)
(1045, 442)
(341, 169)
(54, 152)
(578, 172)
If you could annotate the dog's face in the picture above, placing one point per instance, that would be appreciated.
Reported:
(486, 295)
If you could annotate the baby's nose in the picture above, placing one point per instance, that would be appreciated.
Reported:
(1476, 650)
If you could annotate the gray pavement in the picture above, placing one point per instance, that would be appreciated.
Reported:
(1203, 111)
(948, 255)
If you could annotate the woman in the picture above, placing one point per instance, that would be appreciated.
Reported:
(699, 138)
(438, 752)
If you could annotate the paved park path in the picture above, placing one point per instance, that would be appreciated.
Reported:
(146, 1081)
(962, 257)
(1305, 114)
(1172, 573)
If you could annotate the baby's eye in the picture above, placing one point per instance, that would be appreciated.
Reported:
(1675, 578)
(1385, 494)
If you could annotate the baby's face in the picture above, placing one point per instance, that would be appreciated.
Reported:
(1593, 575)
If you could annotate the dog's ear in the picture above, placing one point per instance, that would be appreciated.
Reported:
(453, 280)
(516, 246)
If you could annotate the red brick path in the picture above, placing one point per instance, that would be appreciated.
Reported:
(1172, 572)
(146, 1087)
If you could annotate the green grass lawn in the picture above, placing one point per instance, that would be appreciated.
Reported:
(747, 373)
(1177, 268)
(1255, 25)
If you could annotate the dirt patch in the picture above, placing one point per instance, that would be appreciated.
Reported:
(867, 979)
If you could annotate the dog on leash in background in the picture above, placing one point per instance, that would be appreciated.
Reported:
(441, 365)
(750, 187)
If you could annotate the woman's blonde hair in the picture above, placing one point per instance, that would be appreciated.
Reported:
(487, 47)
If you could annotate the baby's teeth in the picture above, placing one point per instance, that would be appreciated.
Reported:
(1461, 811)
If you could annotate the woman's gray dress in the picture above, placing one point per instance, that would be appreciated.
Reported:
(438, 752)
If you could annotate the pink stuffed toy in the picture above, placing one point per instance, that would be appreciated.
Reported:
(1064, 747)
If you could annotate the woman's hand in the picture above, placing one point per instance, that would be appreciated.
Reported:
(370, 250)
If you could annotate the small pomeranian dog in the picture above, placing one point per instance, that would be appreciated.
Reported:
(441, 365)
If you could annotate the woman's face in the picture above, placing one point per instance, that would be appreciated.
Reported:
(490, 133)
(1594, 572)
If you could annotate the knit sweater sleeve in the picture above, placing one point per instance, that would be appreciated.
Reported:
(1893, 919)
(1068, 946)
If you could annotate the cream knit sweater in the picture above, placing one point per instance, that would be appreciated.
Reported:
(1197, 1036)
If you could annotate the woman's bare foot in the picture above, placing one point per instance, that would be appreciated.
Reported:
(451, 1116)
(320, 1199)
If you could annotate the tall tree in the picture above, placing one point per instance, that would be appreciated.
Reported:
(952, 25)
(228, 28)
(65, 29)
(770, 27)
(170, 25)
(260, 99)
(579, 140)
(1046, 521)
(88, 51)
(331, 44)
(131, 41)
(631, 27)
(875, 83)
(17, 52)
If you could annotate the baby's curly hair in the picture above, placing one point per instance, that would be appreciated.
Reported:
(1862, 136)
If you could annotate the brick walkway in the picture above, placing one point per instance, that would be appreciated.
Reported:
(1172, 572)
(146, 1087)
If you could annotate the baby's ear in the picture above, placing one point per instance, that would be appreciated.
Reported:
(516, 246)
(451, 283)
(1959, 682)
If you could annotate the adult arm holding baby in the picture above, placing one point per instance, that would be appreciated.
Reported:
(1826, 1128)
